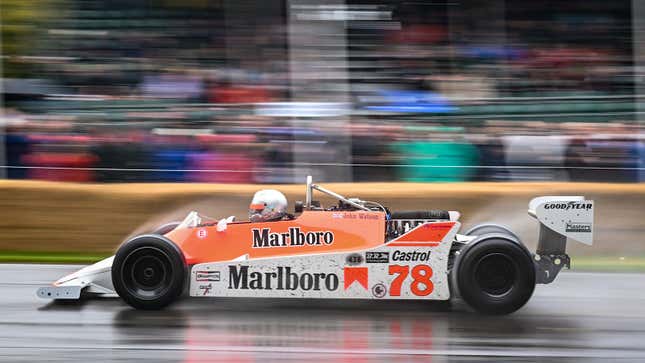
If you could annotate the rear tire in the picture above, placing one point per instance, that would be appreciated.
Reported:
(495, 275)
(149, 272)
(488, 228)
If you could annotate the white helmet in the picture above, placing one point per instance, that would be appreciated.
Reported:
(267, 205)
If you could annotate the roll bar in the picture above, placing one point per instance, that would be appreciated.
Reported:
(309, 193)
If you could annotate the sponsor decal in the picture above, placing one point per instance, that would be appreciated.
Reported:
(410, 256)
(206, 288)
(354, 259)
(207, 276)
(568, 205)
(578, 227)
(355, 274)
(379, 290)
(282, 278)
(377, 257)
(263, 238)
(202, 233)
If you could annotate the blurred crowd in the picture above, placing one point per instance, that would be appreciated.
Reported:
(267, 92)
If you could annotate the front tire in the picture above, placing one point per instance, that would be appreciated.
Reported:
(495, 275)
(166, 228)
(148, 272)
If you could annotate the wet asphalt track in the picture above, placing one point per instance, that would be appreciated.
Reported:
(581, 317)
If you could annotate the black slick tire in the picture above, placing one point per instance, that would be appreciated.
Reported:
(166, 228)
(495, 275)
(488, 228)
(149, 272)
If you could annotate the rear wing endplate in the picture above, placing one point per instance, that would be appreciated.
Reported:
(569, 216)
(560, 217)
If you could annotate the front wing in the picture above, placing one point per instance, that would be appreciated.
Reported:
(414, 266)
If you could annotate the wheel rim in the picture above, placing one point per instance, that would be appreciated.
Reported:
(147, 272)
(496, 274)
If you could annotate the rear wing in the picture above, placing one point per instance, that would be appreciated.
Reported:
(560, 217)
(569, 216)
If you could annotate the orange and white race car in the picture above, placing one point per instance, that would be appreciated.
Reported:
(353, 250)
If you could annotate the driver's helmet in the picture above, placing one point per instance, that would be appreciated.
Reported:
(267, 205)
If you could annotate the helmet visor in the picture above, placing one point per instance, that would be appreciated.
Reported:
(256, 207)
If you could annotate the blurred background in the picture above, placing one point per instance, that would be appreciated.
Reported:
(208, 98)
(237, 91)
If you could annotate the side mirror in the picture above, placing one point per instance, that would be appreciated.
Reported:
(298, 207)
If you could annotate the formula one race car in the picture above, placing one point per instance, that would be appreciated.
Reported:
(353, 250)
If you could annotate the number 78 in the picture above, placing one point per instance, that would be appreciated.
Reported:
(421, 284)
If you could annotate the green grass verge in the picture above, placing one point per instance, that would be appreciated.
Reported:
(50, 257)
(585, 263)
(608, 263)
